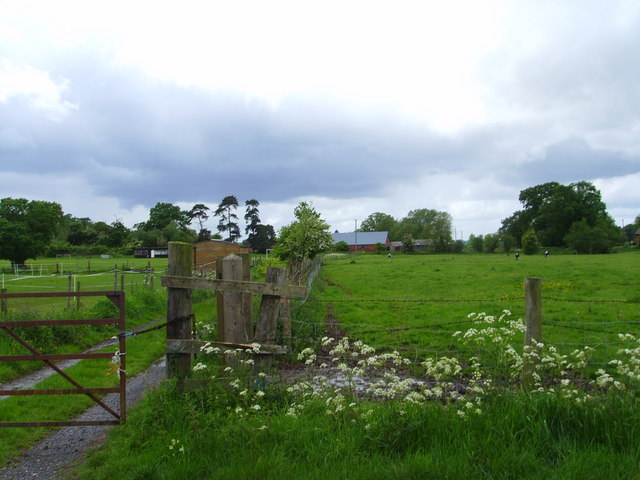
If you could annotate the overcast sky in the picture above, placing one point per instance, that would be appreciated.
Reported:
(356, 106)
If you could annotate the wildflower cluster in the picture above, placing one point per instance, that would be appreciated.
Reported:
(344, 374)
(242, 390)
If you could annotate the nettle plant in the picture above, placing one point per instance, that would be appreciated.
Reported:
(341, 375)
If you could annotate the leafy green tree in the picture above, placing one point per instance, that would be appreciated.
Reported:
(228, 219)
(117, 235)
(438, 230)
(306, 237)
(428, 224)
(551, 208)
(341, 246)
(204, 234)
(162, 215)
(408, 244)
(79, 231)
(262, 238)
(199, 212)
(476, 243)
(378, 222)
(583, 238)
(507, 241)
(251, 216)
(27, 227)
(530, 243)
(629, 232)
(491, 242)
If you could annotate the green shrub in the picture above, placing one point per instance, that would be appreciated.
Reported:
(530, 243)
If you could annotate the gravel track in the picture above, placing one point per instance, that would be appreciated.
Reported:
(53, 457)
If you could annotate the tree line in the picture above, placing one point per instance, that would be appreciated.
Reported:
(32, 228)
(552, 215)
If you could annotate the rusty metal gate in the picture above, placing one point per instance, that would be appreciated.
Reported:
(115, 417)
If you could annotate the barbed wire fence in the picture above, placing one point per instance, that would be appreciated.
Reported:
(607, 335)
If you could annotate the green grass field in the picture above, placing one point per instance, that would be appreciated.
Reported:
(412, 304)
(416, 302)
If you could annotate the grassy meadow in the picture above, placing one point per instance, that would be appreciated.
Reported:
(428, 410)
(414, 303)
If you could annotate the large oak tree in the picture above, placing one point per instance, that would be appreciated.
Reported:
(551, 209)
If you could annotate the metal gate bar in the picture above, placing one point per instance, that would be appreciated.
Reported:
(118, 298)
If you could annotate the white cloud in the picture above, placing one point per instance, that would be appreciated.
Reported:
(36, 86)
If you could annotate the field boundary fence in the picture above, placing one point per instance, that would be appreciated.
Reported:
(532, 313)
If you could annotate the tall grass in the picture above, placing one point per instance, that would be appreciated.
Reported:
(215, 434)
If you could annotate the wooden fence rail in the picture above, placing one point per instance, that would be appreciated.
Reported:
(235, 316)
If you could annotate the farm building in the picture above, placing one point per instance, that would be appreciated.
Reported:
(419, 245)
(151, 252)
(363, 241)
(638, 237)
(206, 252)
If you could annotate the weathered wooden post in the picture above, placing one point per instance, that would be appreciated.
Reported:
(219, 301)
(533, 329)
(179, 308)
(247, 297)
(235, 325)
(269, 309)
(3, 302)
(69, 291)
(285, 321)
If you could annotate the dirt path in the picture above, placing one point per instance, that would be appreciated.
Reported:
(53, 456)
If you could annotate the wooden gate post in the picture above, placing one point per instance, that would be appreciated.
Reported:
(533, 327)
(269, 309)
(247, 298)
(179, 308)
(234, 327)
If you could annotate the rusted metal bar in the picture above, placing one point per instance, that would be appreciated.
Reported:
(55, 323)
(60, 391)
(70, 423)
(103, 293)
(62, 373)
(54, 356)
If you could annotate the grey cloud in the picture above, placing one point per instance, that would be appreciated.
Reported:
(182, 144)
(574, 160)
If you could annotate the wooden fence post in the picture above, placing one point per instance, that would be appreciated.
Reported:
(179, 308)
(235, 325)
(247, 298)
(533, 328)
(4, 303)
(69, 291)
(285, 321)
(219, 301)
(269, 309)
